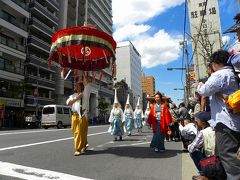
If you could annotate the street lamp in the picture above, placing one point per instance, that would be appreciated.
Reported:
(178, 89)
(170, 69)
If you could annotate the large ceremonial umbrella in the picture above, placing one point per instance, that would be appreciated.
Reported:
(83, 48)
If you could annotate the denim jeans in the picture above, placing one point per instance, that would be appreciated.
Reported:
(196, 157)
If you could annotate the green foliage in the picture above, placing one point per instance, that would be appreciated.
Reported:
(103, 107)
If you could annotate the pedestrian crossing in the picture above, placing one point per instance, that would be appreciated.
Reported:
(30, 173)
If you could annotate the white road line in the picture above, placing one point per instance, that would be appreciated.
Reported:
(134, 144)
(29, 173)
(45, 142)
(40, 131)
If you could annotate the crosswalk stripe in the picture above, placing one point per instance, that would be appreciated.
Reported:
(29, 173)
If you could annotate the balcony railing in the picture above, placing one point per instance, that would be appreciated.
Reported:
(38, 42)
(21, 4)
(41, 100)
(13, 21)
(53, 3)
(42, 26)
(38, 61)
(5, 65)
(41, 81)
(44, 11)
(10, 43)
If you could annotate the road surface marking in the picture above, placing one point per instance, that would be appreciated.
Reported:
(46, 142)
(134, 144)
(39, 131)
(29, 173)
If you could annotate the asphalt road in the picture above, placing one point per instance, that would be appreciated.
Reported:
(39, 154)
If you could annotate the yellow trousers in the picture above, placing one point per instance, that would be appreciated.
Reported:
(80, 131)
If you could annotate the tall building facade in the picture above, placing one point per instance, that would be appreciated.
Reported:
(77, 13)
(148, 85)
(206, 32)
(13, 35)
(43, 22)
(129, 68)
(26, 28)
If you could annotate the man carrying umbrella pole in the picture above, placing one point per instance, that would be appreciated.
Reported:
(80, 105)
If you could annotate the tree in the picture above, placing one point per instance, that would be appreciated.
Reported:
(103, 109)
(123, 90)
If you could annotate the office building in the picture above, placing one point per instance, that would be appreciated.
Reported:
(99, 13)
(148, 85)
(13, 35)
(43, 22)
(129, 68)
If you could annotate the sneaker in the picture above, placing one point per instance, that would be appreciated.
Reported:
(156, 150)
(129, 134)
(77, 153)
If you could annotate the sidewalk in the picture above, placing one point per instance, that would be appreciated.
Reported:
(188, 167)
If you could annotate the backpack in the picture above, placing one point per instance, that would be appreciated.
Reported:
(233, 100)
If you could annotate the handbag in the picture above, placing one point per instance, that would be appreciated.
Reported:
(212, 167)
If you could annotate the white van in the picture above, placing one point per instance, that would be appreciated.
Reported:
(56, 115)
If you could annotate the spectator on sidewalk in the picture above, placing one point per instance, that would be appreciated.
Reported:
(204, 143)
(227, 128)
(175, 115)
(188, 132)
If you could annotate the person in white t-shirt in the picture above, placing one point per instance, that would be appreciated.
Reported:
(79, 101)
(188, 132)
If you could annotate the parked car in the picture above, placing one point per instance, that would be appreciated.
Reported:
(33, 121)
(56, 116)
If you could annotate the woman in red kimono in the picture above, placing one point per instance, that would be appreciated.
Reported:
(159, 118)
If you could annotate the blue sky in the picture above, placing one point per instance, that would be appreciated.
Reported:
(155, 27)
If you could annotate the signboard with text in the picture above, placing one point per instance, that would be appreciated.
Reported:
(207, 39)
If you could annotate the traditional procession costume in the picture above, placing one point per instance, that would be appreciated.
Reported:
(159, 118)
(79, 124)
(146, 114)
(138, 116)
(128, 117)
(116, 119)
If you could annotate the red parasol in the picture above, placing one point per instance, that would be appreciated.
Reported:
(83, 48)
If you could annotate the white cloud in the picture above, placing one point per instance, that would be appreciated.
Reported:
(129, 18)
(130, 31)
(161, 48)
(139, 11)
(225, 39)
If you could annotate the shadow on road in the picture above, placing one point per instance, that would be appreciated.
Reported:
(135, 152)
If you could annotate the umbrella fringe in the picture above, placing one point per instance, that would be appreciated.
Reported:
(101, 75)
(63, 72)
(60, 58)
(105, 57)
(75, 73)
(69, 56)
(94, 78)
(114, 71)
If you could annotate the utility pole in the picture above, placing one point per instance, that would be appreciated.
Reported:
(185, 50)
(187, 73)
